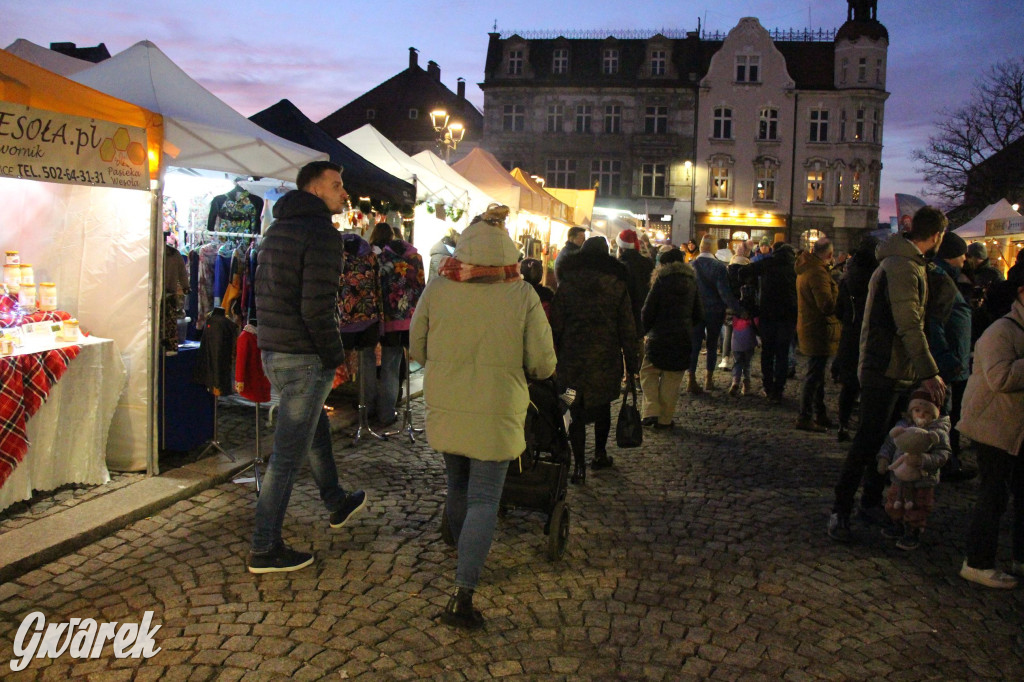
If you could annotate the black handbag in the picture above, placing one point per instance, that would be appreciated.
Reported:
(629, 432)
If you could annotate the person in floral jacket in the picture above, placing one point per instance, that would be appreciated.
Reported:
(401, 285)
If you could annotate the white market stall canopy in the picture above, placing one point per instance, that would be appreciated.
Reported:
(478, 199)
(483, 170)
(200, 130)
(368, 142)
(1001, 210)
(51, 60)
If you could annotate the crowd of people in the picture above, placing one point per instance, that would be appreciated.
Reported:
(919, 329)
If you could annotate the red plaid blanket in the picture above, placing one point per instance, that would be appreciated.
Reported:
(25, 382)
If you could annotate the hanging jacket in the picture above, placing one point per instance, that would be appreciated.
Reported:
(401, 283)
(215, 362)
(250, 381)
(359, 299)
(299, 267)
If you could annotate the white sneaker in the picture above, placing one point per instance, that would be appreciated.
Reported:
(723, 364)
(991, 577)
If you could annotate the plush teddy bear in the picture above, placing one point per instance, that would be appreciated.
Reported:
(911, 442)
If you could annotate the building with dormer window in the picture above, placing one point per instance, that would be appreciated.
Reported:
(752, 132)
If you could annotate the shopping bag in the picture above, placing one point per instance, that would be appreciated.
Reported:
(629, 432)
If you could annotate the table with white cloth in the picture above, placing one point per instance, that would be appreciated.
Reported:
(68, 434)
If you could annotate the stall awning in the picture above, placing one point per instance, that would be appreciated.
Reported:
(362, 178)
(581, 201)
(202, 130)
(997, 211)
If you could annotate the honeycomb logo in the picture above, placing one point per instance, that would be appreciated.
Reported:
(120, 144)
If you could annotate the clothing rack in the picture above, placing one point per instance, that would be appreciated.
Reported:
(209, 233)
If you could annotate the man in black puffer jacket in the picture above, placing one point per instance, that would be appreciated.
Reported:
(297, 275)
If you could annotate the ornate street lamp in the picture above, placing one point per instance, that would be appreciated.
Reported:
(448, 135)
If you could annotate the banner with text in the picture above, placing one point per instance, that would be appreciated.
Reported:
(52, 147)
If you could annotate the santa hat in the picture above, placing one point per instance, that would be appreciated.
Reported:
(923, 399)
(627, 239)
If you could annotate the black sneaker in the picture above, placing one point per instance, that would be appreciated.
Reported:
(353, 503)
(279, 560)
(839, 527)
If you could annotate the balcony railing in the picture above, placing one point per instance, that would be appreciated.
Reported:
(806, 35)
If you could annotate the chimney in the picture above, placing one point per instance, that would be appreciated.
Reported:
(461, 87)
(433, 70)
(413, 60)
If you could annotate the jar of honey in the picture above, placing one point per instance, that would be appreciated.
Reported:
(28, 275)
(13, 258)
(47, 296)
(27, 297)
(12, 275)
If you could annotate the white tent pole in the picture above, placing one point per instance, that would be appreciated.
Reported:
(156, 266)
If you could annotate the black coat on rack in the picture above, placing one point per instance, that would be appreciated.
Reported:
(215, 364)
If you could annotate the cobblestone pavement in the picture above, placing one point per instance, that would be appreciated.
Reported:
(700, 556)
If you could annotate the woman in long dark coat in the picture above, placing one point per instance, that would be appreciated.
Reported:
(593, 328)
(671, 311)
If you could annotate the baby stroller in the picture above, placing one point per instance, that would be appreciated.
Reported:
(538, 479)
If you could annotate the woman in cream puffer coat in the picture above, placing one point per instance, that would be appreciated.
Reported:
(993, 417)
(479, 330)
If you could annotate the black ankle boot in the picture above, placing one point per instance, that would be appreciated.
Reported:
(460, 612)
(843, 435)
(579, 473)
(601, 461)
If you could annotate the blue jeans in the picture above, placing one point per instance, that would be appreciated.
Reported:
(303, 383)
(474, 491)
(812, 397)
(741, 366)
(381, 395)
(711, 328)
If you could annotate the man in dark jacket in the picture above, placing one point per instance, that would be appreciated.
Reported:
(297, 276)
(949, 339)
(894, 358)
(574, 240)
(775, 278)
(717, 298)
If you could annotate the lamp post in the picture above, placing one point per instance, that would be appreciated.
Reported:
(448, 135)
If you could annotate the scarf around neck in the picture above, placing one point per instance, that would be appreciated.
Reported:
(457, 271)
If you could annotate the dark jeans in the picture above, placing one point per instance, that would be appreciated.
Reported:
(1000, 475)
(847, 398)
(954, 402)
(879, 409)
(601, 415)
(776, 335)
(711, 328)
(812, 397)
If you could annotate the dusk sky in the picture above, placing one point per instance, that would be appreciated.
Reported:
(321, 55)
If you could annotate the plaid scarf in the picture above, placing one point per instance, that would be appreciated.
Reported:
(457, 271)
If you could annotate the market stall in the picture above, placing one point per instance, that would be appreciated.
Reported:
(1001, 229)
(477, 199)
(439, 204)
(216, 151)
(76, 206)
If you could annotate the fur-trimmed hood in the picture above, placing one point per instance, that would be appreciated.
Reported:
(683, 269)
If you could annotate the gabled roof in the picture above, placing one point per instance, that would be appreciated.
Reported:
(392, 99)
(361, 177)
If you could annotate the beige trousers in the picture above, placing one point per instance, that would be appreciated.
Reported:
(661, 391)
